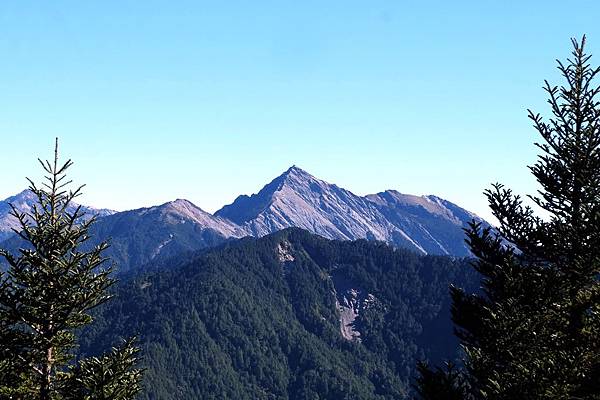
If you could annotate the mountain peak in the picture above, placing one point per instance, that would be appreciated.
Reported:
(23, 196)
(296, 173)
(294, 168)
(24, 202)
(181, 203)
(295, 198)
(181, 207)
(246, 208)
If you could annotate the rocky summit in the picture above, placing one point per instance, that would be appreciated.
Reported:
(427, 224)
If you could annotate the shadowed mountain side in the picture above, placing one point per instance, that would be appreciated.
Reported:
(149, 235)
(139, 236)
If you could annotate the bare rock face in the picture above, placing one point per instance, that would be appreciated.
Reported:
(284, 252)
(349, 309)
(297, 199)
(350, 301)
(427, 224)
(434, 223)
(182, 211)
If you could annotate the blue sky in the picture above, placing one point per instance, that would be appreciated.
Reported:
(158, 100)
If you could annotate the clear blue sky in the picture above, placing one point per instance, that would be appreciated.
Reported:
(157, 100)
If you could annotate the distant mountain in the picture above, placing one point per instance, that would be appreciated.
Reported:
(144, 235)
(298, 199)
(427, 224)
(24, 202)
(288, 316)
(434, 224)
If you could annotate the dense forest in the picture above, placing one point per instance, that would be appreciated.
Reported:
(260, 319)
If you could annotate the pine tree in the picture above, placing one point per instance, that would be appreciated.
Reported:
(46, 294)
(534, 330)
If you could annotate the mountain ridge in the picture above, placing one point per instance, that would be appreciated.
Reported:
(425, 224)
(296, 198)
(140, 236)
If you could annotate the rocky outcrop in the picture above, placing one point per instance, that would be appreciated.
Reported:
(350, 301)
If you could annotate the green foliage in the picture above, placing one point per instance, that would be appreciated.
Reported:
(534, 332)
(110, 376)
(46, 294)
(238, 323)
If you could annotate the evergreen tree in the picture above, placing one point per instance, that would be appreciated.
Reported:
(46, 294)
(534, 330)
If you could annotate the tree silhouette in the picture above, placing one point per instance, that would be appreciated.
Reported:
(534, 330)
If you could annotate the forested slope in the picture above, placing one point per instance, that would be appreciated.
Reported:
(260, 319)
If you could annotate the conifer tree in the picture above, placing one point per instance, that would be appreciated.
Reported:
(534, 330)
(46, 293)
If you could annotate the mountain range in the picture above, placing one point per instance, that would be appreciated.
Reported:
(256, 301)
(425, 224)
